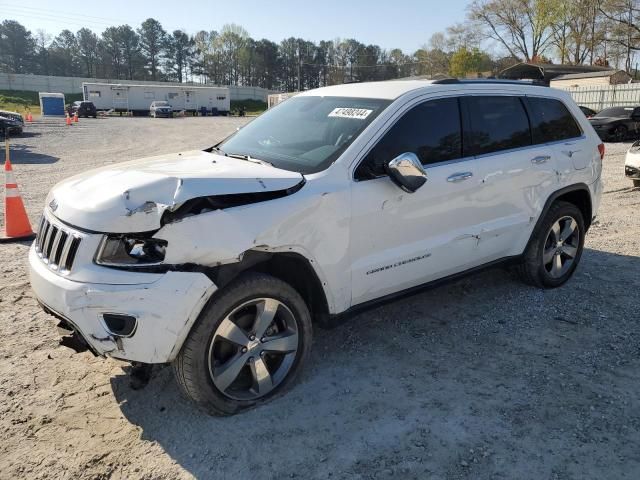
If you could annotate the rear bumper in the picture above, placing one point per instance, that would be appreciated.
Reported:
(165, 310)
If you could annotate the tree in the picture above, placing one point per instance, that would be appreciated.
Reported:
(179, 54)
(88, 50)
(466, 61)
(64, 54)
(17, 47)
(624, 16)
(152, 43)
(128, 41)
(522, 27)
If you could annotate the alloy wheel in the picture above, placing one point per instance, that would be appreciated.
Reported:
(253, 349)
(561, 246)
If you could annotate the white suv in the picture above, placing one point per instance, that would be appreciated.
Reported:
(220, 261)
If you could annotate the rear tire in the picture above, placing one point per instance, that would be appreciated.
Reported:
(555, 247)
(247, 347)
(620, 133)
(636, 183)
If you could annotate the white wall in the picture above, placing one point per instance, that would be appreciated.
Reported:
(44, 83)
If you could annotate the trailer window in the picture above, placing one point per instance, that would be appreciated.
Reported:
(171, 95)
(221, 98)
(94, 93)
(149, 95)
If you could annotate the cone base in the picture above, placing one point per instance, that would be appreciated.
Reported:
(20, 238)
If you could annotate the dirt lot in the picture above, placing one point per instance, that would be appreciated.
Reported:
(485, 378)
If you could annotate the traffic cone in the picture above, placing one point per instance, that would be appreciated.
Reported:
(29, 118)
(75, 117)
(16, 221)
(68, 120)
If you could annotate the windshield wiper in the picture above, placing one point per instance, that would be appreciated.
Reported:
(248, 158)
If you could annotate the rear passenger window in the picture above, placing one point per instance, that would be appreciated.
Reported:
(496, 123)
(551, 121)
(431, 130)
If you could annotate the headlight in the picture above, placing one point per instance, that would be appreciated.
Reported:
(130, 251)
(635, 148)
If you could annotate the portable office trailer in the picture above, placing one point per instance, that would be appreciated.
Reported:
(137, 98)
(51, 103)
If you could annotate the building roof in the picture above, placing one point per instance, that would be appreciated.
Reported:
(604, 73)
(546, 71)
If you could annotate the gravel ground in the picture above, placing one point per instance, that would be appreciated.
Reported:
(484, 378)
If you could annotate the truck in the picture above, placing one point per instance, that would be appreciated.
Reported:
(137, 99)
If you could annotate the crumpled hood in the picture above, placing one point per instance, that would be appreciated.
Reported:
(132, 196)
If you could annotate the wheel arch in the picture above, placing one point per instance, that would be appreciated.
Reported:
(290, 267)
(577, 194)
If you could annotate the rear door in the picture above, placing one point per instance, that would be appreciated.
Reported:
(516, 174)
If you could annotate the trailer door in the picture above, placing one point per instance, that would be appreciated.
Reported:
(190, 100)
(120, 98)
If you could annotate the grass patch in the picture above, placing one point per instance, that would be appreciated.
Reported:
(251, 107)
(23, 101)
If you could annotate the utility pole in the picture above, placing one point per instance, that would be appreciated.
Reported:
(299, 67)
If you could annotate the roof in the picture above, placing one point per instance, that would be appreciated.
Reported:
(393, 89)
(389, 90)
(546, 71)
(604, 73)
(152, 85)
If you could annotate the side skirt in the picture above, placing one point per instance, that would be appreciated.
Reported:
(334, 320)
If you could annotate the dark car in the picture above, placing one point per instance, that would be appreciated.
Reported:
(617, 123)
(588, 112)
(84, 109)
(10, 125)
(13, 121)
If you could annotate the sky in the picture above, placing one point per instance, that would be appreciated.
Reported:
(405, 24)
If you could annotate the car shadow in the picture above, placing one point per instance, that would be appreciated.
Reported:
(24, 154)
(473, 373)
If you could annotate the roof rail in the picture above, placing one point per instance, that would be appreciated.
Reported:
(447, 81)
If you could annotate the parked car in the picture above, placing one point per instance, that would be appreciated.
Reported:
(632, 164)
(617, 123)
(160, 108)
(221, 261)
(84, 109)
(588, 112)
(13, 122)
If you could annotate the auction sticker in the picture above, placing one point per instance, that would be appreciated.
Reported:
(357, 113)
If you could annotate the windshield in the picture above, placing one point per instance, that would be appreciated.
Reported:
(162, 104)
(615, 112)
(305, 134)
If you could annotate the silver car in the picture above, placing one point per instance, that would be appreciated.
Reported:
(161, 108)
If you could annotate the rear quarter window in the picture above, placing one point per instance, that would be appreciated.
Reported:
(496, 123)
(551, 120)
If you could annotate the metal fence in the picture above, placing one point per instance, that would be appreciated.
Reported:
(598, 97)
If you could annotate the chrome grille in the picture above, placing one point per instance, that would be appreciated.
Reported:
(56, 246)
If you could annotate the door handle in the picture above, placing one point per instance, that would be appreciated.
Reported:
(458, 177)
(540, 159)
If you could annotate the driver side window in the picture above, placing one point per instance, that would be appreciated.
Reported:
(431, 130)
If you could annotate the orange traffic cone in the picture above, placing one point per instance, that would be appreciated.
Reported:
(16, 221)
(68, 120)
(29, 117)
(75, 117)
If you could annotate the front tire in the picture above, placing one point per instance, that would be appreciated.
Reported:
(555, 248)
(247, 347)
(636, 183)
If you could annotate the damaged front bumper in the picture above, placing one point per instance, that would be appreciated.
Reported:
(164, 309)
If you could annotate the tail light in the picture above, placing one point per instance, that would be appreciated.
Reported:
(601, 150)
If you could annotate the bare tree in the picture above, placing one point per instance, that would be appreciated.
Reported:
(522, 27)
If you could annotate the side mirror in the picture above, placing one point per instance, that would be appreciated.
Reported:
(407, 172)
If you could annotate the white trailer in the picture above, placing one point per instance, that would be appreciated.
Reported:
(122, 97)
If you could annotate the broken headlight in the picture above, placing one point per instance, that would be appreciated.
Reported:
(130, 251)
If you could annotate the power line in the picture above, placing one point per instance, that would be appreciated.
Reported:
(58, 12)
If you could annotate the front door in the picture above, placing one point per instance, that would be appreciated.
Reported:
(398, 239)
